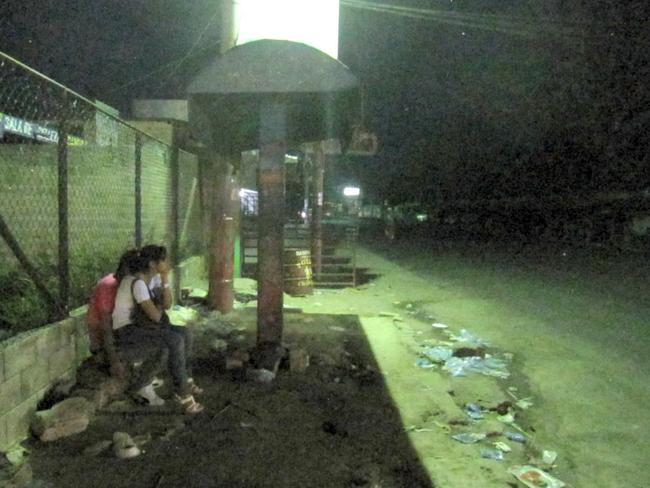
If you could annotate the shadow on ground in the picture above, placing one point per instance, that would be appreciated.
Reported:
(333, 425)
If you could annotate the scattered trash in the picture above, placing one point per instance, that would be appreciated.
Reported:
(16, 455)
(502, 446)
(549, 457)
(468, 437)
(179, 315)
(503, 408)
(489, 453)
(197, 293)
(97, 448)
(245, 297)
(424, 363)
(336, 328)
(298, 360)
(437, 354)
(245, 425)
(219, 345)
(474, 411)
(469, 338)
(469, 352)
(508, 418)
(515, 437)
(535, 478)
(488, 366)
(442, 426)
(524, 403)
(389, 314)
(415, 428)
(124, 447)
(260, 375)
(236, 359)
(439, 326)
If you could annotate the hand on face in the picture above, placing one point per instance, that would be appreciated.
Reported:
(163, 267)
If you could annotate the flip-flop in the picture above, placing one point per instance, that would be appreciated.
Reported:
(189, 405)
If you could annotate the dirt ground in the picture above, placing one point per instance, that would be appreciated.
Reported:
(363, 414)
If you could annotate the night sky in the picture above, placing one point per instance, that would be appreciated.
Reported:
(471, 99)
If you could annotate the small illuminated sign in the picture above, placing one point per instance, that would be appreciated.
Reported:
(351, 191)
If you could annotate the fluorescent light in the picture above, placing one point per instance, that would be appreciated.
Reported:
(351, 191)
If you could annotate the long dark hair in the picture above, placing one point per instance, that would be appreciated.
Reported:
(128, 261)
(152, 252)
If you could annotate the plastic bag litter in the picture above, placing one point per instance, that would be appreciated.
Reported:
(424, 363)
(438, 354)
(535, 478)
(489, 366)
(524, 403)
(516, 437)
(474, 411)
(468, 437)
(439, 326)
(502, 446)
(469, 338)
(549, 457)
(489, 453)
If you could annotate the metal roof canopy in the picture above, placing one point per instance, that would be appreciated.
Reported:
(225, 98)
(272, 66)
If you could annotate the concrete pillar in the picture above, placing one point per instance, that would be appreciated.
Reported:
(273, 146)
(221, 255)
(317, 217)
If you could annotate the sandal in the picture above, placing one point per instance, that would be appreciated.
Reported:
(188, 404)
(194, 388)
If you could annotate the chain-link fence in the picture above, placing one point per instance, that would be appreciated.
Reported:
(79, 187)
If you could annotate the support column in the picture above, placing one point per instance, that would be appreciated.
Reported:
(221, 293)
(273, 128)
(175, 221)
(317, 217)
(64, 242)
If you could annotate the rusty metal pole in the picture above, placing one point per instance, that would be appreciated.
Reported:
(220, 291)
(317, 217)
(273, 130)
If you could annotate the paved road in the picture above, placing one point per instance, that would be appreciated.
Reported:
(577, 325)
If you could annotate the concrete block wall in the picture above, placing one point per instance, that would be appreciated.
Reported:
(30, 363)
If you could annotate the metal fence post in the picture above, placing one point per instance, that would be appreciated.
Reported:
(64, 242)
(175, 223)
(138, 190)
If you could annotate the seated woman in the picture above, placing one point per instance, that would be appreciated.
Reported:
(140, 325)
(99, 316)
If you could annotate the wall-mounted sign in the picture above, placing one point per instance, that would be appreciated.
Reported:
(32, 130)
(363, 143)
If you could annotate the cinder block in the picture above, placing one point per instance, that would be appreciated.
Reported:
(18, 421)
(34, 378)
(19, 354)
(10, 394)
(68, 331)
(4, 441)
(61, 361)
(2, 365)
(52, 338)
(82, 348)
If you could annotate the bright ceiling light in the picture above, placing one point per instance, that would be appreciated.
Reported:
(312, 22)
